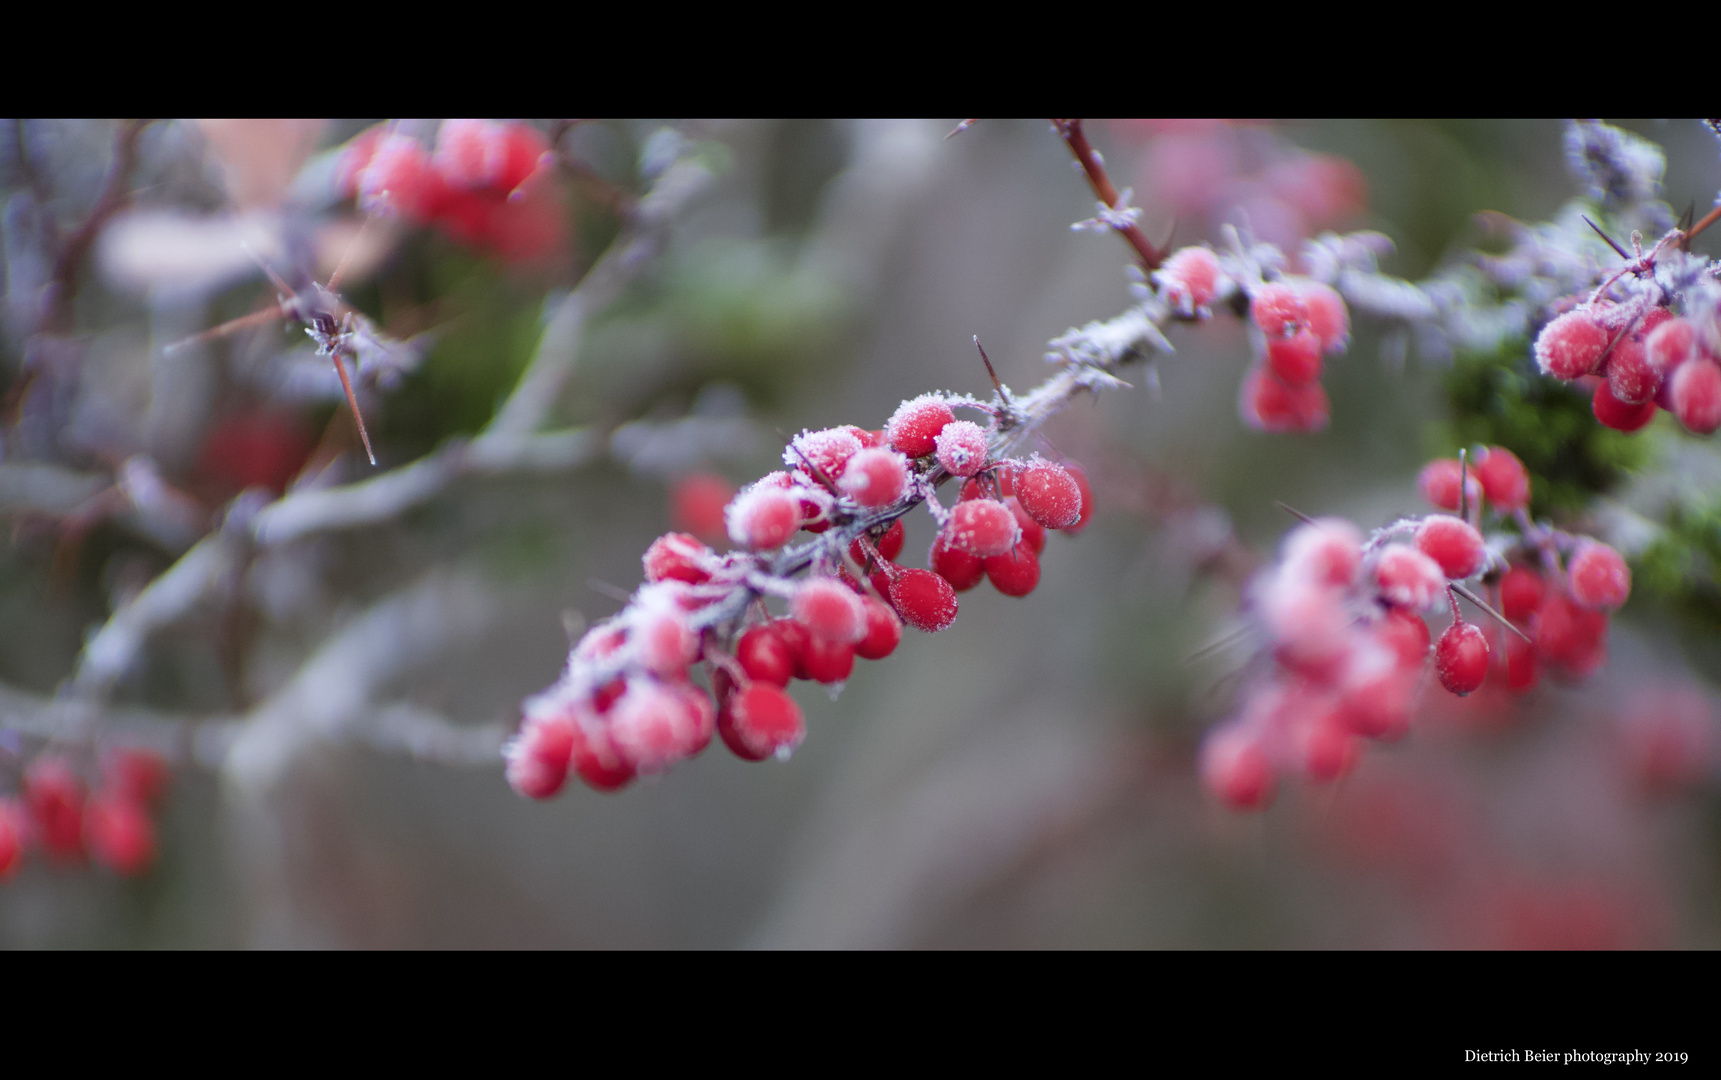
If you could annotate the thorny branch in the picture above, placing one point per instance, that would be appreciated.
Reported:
(1105, 190)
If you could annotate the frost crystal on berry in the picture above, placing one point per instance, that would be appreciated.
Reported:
(961, 447)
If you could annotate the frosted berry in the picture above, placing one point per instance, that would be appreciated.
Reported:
(1696, 396)
(1670, 345)
(1521, 592)
(484, 154)
(537, 759)
(883, 631)
(962, 570)
(1268, 403)
(664, 642)
(652, 727)
(1406, 635)
(1570, 638)
(1630, 376)
(1049, 494)
(399, 178)
(765, 656)
(1439, 483)
(1407, 578)
(1378, 695)
(982, 527)
(924, 600)
(763, 517)
(961, 447)
(119, 833)
(829, 610)
(874, 477)
(888, 543)
(1617, 414)
(1236, 770)
(1503, 477)
(1296, 359)
(676, 556)
(1278, 310)
(1461, 658)
(14, 833)
(1016, 572)
(914, 427)
(55, 797)
(764, 721)
(797, 637)
(696, 505)
(829, 661)
(1325, 552)
(1081, 478)
(1329, 319)
(1189, 280)
(1598, 577)
(824, 454)
(1452, 543)
(1033, 533)
(1572, 344)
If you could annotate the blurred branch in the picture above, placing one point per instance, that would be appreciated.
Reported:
(62, 286)
(1105, 190)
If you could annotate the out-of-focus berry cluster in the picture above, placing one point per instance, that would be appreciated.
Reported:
(627, 704)
(1343, 620)
(57, 813)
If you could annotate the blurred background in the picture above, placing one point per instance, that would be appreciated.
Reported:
(1024, 779)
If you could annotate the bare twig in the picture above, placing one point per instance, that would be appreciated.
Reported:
(1107, 192)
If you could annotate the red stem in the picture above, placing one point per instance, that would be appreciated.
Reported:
(1078, 143)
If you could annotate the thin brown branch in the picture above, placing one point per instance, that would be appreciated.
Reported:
(115, 194)
(1077, 140)
(1708, 219)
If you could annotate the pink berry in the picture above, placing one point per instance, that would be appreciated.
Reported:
(1329, 319)
(1378, 695)
(982, 527)
(676, 556)
(764, 720)
(1452, 543)
(119, 833)
(1572, 344)
(1081, 479)
(828, 452)
(1033, 533)
(652, 727)
(1296, 359)
(1235, 768)
(1617, 414)
(1014, 573)
(763, 517)
(664, 642)
(1326, 746)
(399, 178)
(1049, 494)
(137, 773)
(1268, 403)
(55, 797)
(1522, 669)
(883, 631)
(829, 661)
(597, 762)
(914, 427)
(887, 543)
(14, 834)
(1521, 593)
(1439, 484)
(1630, 375)
(874, 477)
(829, 611)
(962, 570)
(1670, 345)
(1598, 577)
(1696, 395)
(1569, 637)
(1278, 310)
(961, 447)
(924, 600)
(1407, 578)
(1504, 479)
(765, 656)
(696, 505)
(797, 637)
(537, 758)
(1405, 634)
(1325, 552)
(1189, 280)
(1461, 658)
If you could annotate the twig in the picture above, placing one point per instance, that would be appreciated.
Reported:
(1077, 140)
(62, 285)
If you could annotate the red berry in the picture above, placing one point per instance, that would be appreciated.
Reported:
(765, 656)
(1297, 359)
(1269, 404)
(537, 758)
(1619, 415)
(1630, 376)
(1598, 577)
(829, 611)
(1670, 345)
(1407, 578)
(1378, 695)
(1327, 748)
(1696, 395)
(1570, 637)
(1503, 478)
(962, 570)
(1522, 670)
(829, 661)
(652, 727)
(1189, 279)
(399, 178)
(1016, 572)
(764, 721)
(883, 631)
(1520, 593)
(914, 427)
(1049, 494)
(982, 527)
(1278, 310)
(1329, 319)
(595, 759)
(1236, 769)
(664, 642)
(890, 544)
(676, 556)
(828, 452)
(137, 773)
(763, 517)
(874, 477)
(924, 600)
(14, 833)
(1439, 484)
(119, 833)
(961, 447)
(1405, 634)
(55, 797)
(1033, 533)
(696, 505)
(797, 637)
(1452, 543)
(1461, 658)
(1081, 479)
(1324, 552)
(868, 439)
(1572, 344)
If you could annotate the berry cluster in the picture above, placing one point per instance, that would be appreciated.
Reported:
(627, 704)
(1297, 322)
(1344, 618)
(59, 815)
(485, 183)
(1636, 354)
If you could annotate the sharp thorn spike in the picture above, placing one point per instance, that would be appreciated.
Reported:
(1464, 591)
